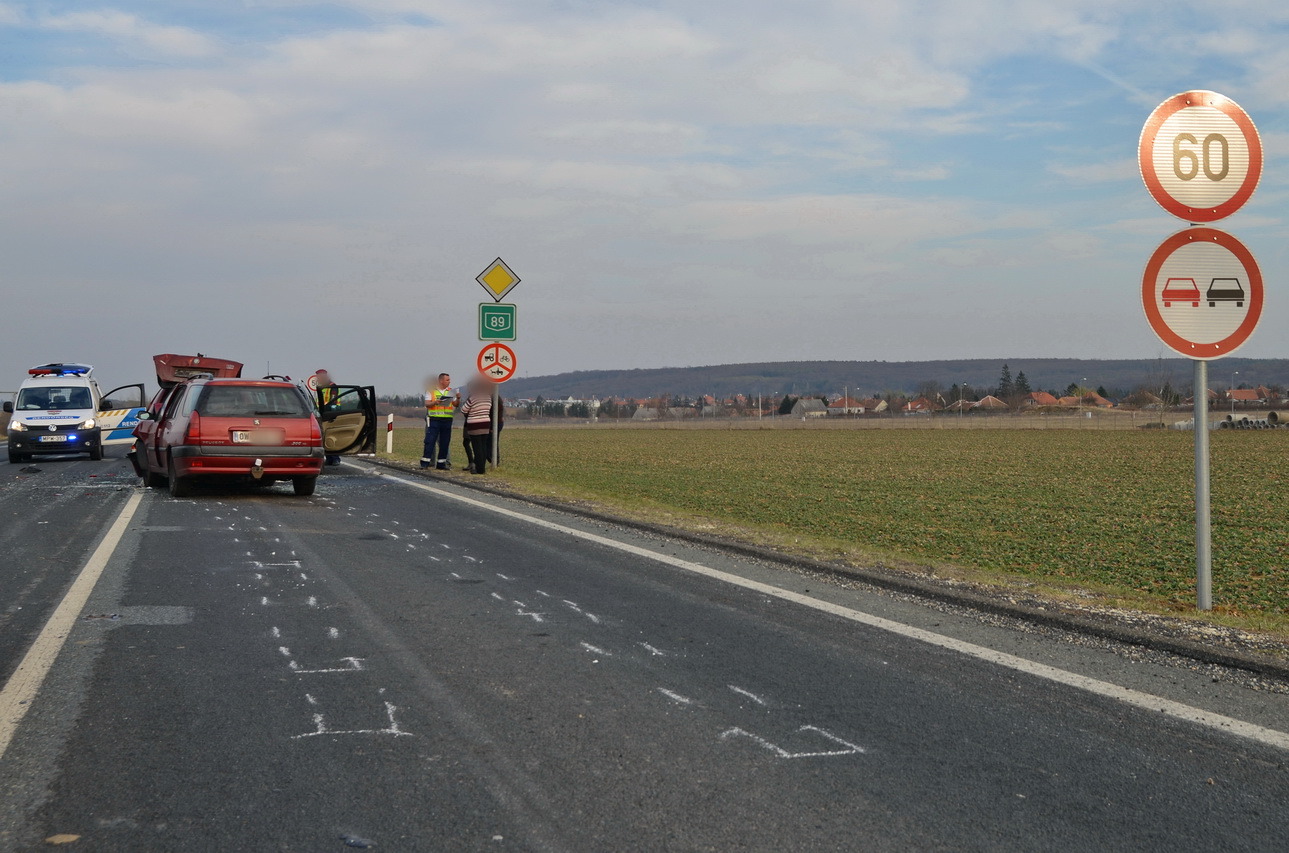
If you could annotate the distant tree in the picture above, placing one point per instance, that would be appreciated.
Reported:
(578, 410)
(1006, 388)
(785, 408)
(1022, 385)
(930, 389)
(1102, 392)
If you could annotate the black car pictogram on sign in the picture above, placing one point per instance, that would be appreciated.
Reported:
(1225, 290)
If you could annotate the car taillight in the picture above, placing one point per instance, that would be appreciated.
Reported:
(315, 432)
(194, 429)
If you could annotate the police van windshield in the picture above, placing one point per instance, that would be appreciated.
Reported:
(235, 401)
(47, 398)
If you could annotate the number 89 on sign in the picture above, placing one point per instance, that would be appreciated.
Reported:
(496, 321)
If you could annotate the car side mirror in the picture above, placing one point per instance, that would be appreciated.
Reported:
(143, 416)
(8, 407)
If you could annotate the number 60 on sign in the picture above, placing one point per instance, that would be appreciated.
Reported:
(1200, 156)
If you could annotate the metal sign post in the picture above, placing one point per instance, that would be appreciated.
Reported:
(494, 439)
(1203, 520)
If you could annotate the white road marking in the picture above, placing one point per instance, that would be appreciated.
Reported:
(850, 748)
(596, 650)
(748, 693)
(675, 697)
(391, 729)
(20, 691)
(355, 665)
(276, 632)
(1136, 698)
(653, 651)
(313, 601)
(333, 633)
(498, 597)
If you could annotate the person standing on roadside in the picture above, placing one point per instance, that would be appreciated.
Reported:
(478, 424)
(440, 405)
(326, 397)
(465, 437)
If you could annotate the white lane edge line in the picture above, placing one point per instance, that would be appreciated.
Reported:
(20, 691)
(1137, 698)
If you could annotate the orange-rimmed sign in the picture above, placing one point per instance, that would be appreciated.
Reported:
(1200, 156)
(1202, 293)
(497, 362)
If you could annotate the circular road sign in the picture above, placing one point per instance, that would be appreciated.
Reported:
(497, 362)
(1202, 292)
(1200, 156)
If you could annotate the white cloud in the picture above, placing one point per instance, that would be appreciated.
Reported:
(642, 166)
(133, 32)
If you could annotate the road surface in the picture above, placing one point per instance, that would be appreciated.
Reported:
(400, 664)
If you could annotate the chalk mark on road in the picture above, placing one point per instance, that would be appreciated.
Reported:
(850, 748)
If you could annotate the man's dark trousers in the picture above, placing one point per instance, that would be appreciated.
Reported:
(438, 435)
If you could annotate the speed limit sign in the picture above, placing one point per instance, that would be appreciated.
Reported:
(1200, 156)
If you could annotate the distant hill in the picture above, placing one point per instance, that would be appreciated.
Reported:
(1118, 376)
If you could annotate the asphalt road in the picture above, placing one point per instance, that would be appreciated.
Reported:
(386, 666)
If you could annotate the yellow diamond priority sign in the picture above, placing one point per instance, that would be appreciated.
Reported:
(498, 279)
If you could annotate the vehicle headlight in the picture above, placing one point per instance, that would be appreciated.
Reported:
(88, 423)
(17, 426)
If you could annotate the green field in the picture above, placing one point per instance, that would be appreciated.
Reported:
(1110, 513)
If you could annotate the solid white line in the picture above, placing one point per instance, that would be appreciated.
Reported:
(19, 693)
(1146, 701)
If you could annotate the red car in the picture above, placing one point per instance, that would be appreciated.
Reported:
(206, 426)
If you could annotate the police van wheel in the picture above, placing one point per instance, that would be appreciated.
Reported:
(96, 453)
(304, 486)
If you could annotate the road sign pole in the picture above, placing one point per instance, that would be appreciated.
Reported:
(496, 433)
(1203, 529)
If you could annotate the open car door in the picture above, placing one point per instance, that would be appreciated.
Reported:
(118, 414)
(349, 420)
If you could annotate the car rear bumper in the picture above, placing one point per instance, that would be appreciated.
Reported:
(191, 460)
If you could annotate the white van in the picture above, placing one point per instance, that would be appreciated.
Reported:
(60, 409)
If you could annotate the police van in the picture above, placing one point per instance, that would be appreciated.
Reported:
(60, 409)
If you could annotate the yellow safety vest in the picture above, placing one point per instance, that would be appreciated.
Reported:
(440, 404)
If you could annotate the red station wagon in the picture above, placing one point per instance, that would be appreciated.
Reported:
(264, 430)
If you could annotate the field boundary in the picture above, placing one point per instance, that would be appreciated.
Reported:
(1043, 612)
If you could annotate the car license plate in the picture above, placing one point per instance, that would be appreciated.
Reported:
(257, 436)
(53, 438)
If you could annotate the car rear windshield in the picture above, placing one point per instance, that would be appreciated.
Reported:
(237, 401)
(58, 397)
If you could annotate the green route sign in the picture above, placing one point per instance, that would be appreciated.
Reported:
(496, 321)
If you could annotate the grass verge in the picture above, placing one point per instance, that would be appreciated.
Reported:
(1103, 518)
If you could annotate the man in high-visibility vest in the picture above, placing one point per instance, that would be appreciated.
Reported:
(326, 391)
(440, 406)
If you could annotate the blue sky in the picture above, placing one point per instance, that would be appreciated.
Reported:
(312, 185)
